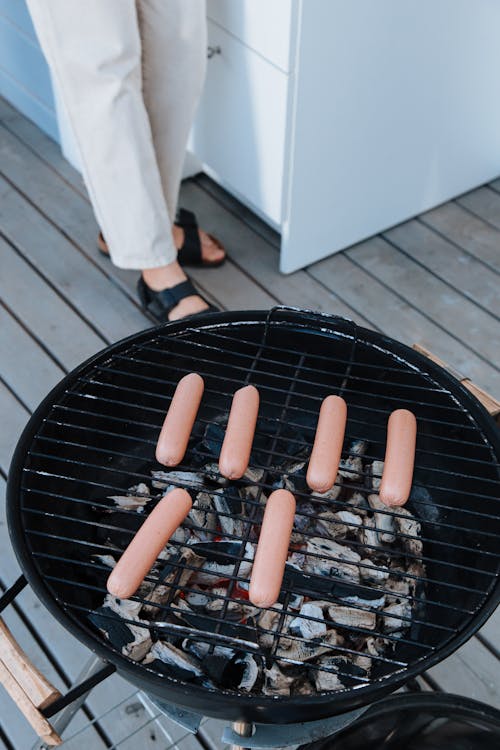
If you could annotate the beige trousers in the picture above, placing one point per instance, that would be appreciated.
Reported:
(129, 73)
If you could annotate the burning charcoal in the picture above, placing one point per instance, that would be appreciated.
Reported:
(337, 524)
(352, 618)
(376, 471)
(130, 640)
(197, 599)
(303, 686)
(372, 647)
(300, 651)
(406, 524)
(231, 671)
(294, 479)
(343, 566)
(400, 584)
(269, 620)
(220, 560)
(308, 628)
(305, 515)
(358, 504)
(161, 592)
(136, 498)
(134, 644)
(227, 502)
(217, 600)
(331, 494)
(212, 473)
(397, 614)
(427, 511)
(368, 536)
(326, 677)
(107, 560)
(372, 573)
(351, 468)
(211, 441)
(167, 480)
(172, 661)
(254, 476)
(275, 682)
(365, 597)
(250, 671)
(203, 515)
(384, 521)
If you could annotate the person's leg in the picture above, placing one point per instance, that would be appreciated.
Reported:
(174, 54)
(94, 52)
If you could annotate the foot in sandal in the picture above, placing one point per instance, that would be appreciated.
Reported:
(167, 294)
(194, 246)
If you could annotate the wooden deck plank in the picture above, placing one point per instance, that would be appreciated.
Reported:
(483, 202)
(470, 671)
(42, 186)
(395, 317)
(469, 232)
(52, 321)
(24, 366)
(40, 143)
(51, 196)
(474, 328)
(14, 418)
(81, 283)
(462, 271)
(491, 630)
(260, 259)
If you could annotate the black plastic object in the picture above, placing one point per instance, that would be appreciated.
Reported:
(424, 721)
(95, 433)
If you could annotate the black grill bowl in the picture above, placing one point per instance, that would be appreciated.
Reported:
(95, 434)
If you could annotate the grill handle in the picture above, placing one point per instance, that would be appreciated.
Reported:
(492, 405)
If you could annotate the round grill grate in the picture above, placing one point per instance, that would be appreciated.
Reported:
(95, 434)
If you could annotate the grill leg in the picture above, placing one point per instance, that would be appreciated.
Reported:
(93, 666)
(243, 729)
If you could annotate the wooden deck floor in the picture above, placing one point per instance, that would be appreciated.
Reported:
(432, 280)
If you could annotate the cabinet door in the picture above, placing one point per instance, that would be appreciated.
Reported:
(396, 110)
(263, 25)
(240, 125)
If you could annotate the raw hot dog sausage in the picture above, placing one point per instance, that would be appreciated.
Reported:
(399, 459)
(176, 430)
(272, 549)
(237, 445)
(327, 448)
(138, 558)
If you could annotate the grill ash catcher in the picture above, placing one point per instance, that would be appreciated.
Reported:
(83, 475)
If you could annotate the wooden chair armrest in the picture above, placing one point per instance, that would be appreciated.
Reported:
(27, 686)
(491, 404)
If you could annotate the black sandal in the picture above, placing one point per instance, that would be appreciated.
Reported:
(190, 253)
(160, 304)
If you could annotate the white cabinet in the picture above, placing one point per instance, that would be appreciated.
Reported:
(335, 119)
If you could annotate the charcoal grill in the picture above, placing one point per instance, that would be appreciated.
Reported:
(96, 431)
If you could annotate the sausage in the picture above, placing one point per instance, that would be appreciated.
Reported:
(328, 441)
(237, 445)
(397, 474)
(272, 549)
(138, 558)
(176, 430)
